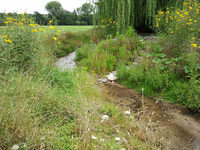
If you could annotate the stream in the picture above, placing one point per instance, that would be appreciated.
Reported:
(176, 128)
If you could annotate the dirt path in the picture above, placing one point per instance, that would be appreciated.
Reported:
(169, 125)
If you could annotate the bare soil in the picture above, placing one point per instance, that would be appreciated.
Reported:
(169, 125)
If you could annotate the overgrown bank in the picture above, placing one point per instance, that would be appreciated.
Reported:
(44, 108)
(168, 68)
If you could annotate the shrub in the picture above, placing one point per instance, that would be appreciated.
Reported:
(180, 28)
(84, 52)
(70, 42)
(18, 43)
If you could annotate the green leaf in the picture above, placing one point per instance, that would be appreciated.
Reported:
(161, 55)
(156, 60)
(187, 69)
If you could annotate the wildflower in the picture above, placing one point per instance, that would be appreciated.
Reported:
(190, 7)
(9, 41)
(123, 42)
(32, 25)
(127, 112)
(15, 147)
(35, 30)
(94, 137)
(22, 27)
(50, 21)
(55, 38)
(59, 43)
(6, 22)
(194, 45)
(186, 13)
(105, 118)
(157, 25)
(51, 27)
(195, 21)
(101, 140)
(117, 139)
(5, 36)
(58, 33)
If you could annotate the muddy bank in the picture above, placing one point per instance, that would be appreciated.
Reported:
(169, 125)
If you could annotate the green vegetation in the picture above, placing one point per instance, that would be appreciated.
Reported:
(135, 13)
(42, 107)
(169, 67)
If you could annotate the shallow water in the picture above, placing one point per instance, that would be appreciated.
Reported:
(67, 62)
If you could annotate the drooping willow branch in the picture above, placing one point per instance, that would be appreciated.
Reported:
(132, 12)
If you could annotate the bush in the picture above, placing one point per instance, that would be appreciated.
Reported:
(18, 43)
(185, 93)
(84, 52)
(71, 41)
(180, 28)
(151, 78)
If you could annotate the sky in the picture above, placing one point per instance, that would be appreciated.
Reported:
(30, 6)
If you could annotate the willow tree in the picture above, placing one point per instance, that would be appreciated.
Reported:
(136, 13)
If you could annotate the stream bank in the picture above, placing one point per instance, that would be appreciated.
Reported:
(169, 125)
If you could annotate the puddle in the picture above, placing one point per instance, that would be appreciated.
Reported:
(67, 62)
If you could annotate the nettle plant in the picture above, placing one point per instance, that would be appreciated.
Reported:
(18, 42)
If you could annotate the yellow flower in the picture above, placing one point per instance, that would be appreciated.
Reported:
(194, 45)
(8, 41)
(193, 38)
(172, 32)
(190, 7)
(195, 21)
(157, 25)
(55, 38)
(58, 33)
(51, 27)
(59, 43)
(22, 27)
(189, 23)
(186, 13)
(5, 36)
(6, 22)
(34, 30)
(32, 25)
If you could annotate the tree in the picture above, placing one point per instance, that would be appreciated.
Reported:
(54, 8)
(85, 13)
(40, 19)
(136, 13)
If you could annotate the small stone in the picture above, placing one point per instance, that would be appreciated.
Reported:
(105, 117)
(117, 139)
(127, 112)
(101, 140)
(112, 76)
(15, 147)
(94, 137)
